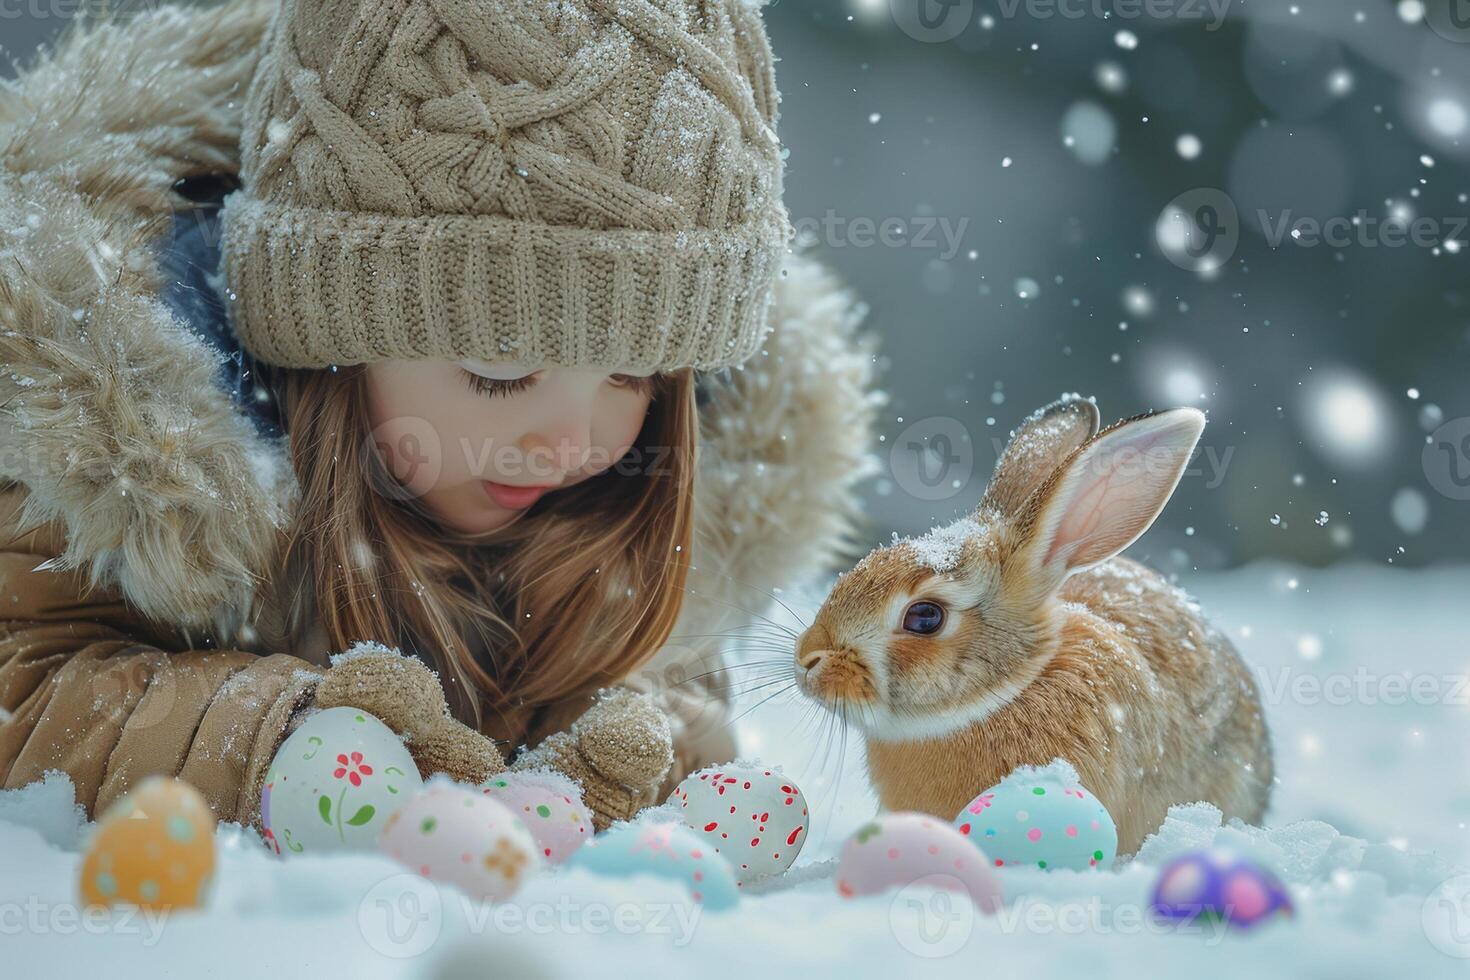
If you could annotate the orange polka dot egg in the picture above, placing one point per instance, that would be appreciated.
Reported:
(460, 836)
(153, 848)
(550, 806)
(1041, 818)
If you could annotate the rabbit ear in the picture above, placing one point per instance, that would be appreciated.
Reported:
(1041, 444)
(1108, 493)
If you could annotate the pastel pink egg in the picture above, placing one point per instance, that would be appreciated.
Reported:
(896, 850)
(457, 835)
(549, 804)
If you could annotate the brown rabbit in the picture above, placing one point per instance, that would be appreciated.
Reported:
(1015, 636)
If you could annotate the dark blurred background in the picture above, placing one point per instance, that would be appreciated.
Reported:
(1099, 196)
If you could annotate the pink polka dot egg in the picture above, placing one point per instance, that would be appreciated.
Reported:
(458, 835)
(753, 816)
(900, 850)
(549, 804)
(1041, 818)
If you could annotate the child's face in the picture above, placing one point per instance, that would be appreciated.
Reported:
(478, 444)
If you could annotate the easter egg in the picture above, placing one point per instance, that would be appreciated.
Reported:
(664, 850)
(755, 818)
(153, 848)
(334, 782)
(1219, 885)
(455, 834)
(550, 806)
(896, 850)
(1041, 818)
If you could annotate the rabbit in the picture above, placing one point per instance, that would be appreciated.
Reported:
(1016, 636)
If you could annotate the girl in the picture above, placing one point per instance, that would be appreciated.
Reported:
(411, 366)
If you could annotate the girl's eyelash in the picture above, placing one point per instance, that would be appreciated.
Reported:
(497, 388)
(643, 386)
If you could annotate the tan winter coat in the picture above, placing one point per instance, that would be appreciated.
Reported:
(141, 513)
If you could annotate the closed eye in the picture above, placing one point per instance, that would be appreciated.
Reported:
(499, 387)
(643, 385)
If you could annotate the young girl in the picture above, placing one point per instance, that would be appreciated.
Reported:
(457, 389)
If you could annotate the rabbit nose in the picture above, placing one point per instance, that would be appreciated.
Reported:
(808, 659)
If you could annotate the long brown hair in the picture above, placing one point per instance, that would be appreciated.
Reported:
(575, 596)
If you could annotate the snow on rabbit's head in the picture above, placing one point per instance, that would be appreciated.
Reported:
(934, 633)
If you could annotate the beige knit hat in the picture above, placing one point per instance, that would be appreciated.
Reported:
(591, 183)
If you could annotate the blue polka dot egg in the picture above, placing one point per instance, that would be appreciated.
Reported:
(1041, 818)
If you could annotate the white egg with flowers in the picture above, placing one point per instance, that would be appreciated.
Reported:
(334, 782)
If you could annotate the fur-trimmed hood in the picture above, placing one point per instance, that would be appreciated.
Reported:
(113, 413)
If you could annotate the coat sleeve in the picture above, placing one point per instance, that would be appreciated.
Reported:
(88, 689)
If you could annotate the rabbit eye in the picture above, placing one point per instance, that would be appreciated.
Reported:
(923, 618)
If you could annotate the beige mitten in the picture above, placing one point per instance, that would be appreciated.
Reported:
(405, 695)
(619, 751)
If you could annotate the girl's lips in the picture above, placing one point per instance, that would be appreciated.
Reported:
(514, 498)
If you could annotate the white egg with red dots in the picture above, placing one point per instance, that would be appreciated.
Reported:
(1041, 818)
(754, 816)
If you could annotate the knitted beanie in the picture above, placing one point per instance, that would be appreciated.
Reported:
(551, 183)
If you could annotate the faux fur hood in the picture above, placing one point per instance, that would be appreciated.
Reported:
(113, 413)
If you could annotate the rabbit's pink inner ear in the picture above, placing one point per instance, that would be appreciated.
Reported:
(1114, 489)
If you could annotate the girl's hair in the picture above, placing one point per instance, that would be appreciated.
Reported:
(575, 596)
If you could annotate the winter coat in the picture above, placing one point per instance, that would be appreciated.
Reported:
(144, 496)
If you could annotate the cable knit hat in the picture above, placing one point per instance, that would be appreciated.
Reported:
(566, 183)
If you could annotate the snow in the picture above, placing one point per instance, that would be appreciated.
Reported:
(1363, 673)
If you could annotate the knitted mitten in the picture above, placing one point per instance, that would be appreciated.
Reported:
(405, 695)
(619, 751)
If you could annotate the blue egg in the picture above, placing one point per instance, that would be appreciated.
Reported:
(665, 850)
(1041, 818)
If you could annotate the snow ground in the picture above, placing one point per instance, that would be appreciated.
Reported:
(1368, 820)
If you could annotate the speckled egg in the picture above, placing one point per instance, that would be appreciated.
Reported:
(334, 782)
(455, 834)
(664, 850)
(753, 817)
(1041, 818)
(550, 806)
(1219, 885)
(896, 850)
(153, 848)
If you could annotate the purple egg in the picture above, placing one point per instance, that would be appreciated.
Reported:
(1219, 885)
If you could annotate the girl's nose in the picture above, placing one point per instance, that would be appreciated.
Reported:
(565, 448)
